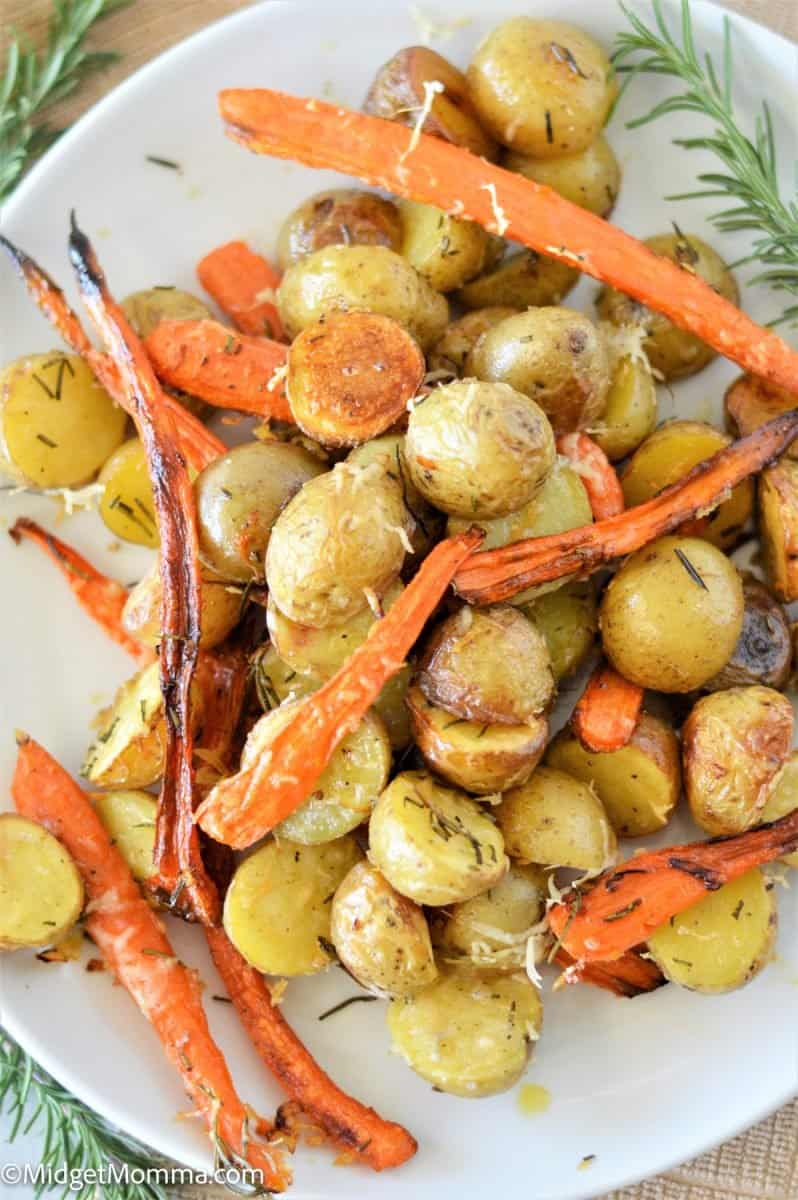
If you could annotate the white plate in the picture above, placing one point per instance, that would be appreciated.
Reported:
(639, 1084)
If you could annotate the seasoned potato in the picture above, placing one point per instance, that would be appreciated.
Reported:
(750, 401)
(277, 910)
(734, 744)
(451, 350)
(469, 1032)
(763, 653)
(672, 351)
(777, 494)
(433, 843)
(568, 621)
(556, 821)
(639, 785)
(342, 538)
(480, 758)
(41, 891)
(57, 425)
(129, 818)
(523, 280)
(590, 178)
(671, 617)
(220, 608)
(667, 456)
(543, 88)
(478, 449)
(398, 94)
(491, 929)
(554, 355)
(380, 936)
(338, 217)
(389, 449)
(490, 665)
(126, 505)
(630, 409)
(239, 497)
(374, 278)
(721, 942)
(783, 799)
(276, 681)
(147, 308)
(391, 705)
(445, 251)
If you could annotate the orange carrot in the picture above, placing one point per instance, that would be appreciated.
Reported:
(132, 941)
(351, 1125)
(597, 473)
(243, 808)
(433, 171)
(630, 975)
(243, 285)
(607, 712)
(496, 575)
(102, 598)
(229, 370)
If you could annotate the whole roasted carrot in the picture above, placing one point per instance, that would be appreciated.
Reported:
(630, 975)
(243, 808)
(597, 473)
(607, 712)
(243, 284)
(132, 941)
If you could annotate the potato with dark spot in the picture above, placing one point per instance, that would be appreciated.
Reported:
(450, 351)
(523, 280)
(763, 653)
(590, 178)
(338, 217)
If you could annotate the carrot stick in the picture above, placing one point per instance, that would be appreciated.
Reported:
(243, 808)
(597, 473)
(350, 1124)
(198, 444)
(607, 712)
(102, 598)
(498, 574)
(230, 370)
(630, 975)
(625, 906)
(131, 939)
(428, 169)
(243, 285)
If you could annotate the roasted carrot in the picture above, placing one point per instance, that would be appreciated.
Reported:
(624, 907)
(433, 171)
(102, 598)
(223, 677)
(243, 808)
(243, 284)
(132, 941)
(607, 712)
(630, 975)
(498, 574)
(229, 370)
(351, 1125)
(597, 473)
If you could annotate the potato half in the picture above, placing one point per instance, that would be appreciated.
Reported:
(556, 821)
(568, 620)
(783, 799)
(41, 891)
(777, 493)
(129, 818)
(491, 930)
(220, 609)
(519, 281)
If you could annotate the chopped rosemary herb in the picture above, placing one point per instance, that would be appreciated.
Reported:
(564, 55)
(47, 441)
(549, 128)
(690, 569)
(163, 162)
(336, 1008)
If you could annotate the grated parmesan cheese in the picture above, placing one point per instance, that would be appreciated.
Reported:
(432, 88)
(73, 499)
(499, 215)
(266, 295)
(277, 377)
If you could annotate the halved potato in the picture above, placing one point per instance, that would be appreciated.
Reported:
(220, 609)
(783, 799)
(568, 620)
(721, 942)
(750, 402)
(491, 930)
(276, 680)
(127, 506)
(445, 250)
(777, 493)
(763, 653)
(520, 281)
(556, 821)
(41, 891)
(129, 818)
(630, 410)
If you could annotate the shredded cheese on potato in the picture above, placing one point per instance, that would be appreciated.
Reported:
(277, 377)
(499, 215)
(432, 88)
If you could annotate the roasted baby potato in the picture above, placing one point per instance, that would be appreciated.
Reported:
(480, 758)
(57, 424)
(220, 608)
(721, 942)
(276, 681)
(630, 409)
(639, 785)
(777, 494)
(671, 617)
(469, 1032)
(750, 401)
(543, 88)
(433, 843)
(129, 818)
(277, 910)
(556, 821)
(734, 744)
(451, 350)
(445, 251)
(667, 456)
(338, 217)
(491, 930)
(523, 280)
(568, 620)
(763, 653)
(147, 308)
(126, 505)
(41, 891)
(478, 449)
(380, 936)
(374, 278)
(590, 178)
(239, 497)
(341, 540)
(490, 665)
(389, 449)
(556, 356)
(783, 799)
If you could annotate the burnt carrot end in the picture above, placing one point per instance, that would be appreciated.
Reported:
(244, 285)
(607, 713)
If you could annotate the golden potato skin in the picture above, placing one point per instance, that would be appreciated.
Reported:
(543, 88)
(491, 930)
(451, 350)
(590, 178)
(445, 251)
(338, 217)
(783, 799)
(468, 1034)
(126, 505)
(556, 821)
(523, 280)
(478, 449)
(750, 401)
(777, 494)
(220, 609)
(734, 743)
(276, 681)
(553, 355)
(129, 817)
(380, 936)
(663, 629)
(568, 620)
(389, 449)
(639, 785)
(40, 886)
(630, 410)
(763, 653)
(146, 309)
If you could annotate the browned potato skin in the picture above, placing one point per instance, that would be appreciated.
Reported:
(523, 280)
(591, 178)
(338, 217)
(397, 94)
(734, 744)
(490, 664)
(450, 351)
(777, 493)
(763, 653)
(750, 401)
(220, 609)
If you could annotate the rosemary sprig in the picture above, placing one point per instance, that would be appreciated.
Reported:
(749, 176)
(34, 80)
